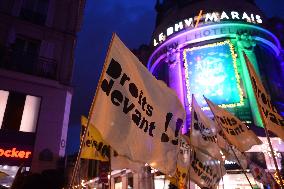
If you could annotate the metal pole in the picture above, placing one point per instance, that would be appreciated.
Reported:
(222, 176)
(241, 166)
(109, 185)
(188, 170)
(90, 115)
(273, 156)
(78, 156)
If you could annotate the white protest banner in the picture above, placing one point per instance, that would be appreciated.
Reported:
(203, 134)
(204, 170)
(119, 162)
(272, 120)
(139, 116)
(235, 131)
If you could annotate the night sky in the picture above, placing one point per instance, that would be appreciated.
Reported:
(133, 21)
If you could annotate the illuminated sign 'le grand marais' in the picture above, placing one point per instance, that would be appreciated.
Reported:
(203, 19)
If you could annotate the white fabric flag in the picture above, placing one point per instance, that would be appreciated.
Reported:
(204, 170)
(180, 177)
(272, 120)
(203, 133)
(120, 162)
(235, 131)
(139, 116)
(227, 151)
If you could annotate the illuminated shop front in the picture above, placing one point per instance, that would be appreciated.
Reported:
(199, 50)
(18, 124)
(202, 62)
(25, 128)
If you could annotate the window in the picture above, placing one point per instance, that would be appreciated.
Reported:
(25, 55)
(34, 11)
(18, 111)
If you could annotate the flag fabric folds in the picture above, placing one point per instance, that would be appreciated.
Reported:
(234, 130)
(119, 162)
(94, 147)
(272, 119)
(203, 133)
(139, 116)
(204, 170)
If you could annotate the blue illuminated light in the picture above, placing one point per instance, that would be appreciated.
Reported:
(211, 70)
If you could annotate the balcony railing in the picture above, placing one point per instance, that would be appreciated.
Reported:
(28, 63)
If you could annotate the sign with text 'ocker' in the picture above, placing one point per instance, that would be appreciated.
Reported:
(14, 154)
(139, 116)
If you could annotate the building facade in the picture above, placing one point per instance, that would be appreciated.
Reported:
(197, 48)
(37, 42)
(193, 44)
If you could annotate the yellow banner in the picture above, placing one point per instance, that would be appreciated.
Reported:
(94, 147)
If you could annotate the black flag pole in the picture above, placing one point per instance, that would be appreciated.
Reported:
(222, 176)
(241, 166)
(109, 183)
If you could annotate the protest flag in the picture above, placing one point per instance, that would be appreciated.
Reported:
(139, 116)
(235, 131)
(182, 170)
(94, 147)
(271, 119)
(205, 171)
(203, 133)
(119, 162)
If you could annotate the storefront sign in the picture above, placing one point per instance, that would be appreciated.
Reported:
(15, 153)
(16, 148)
(204, 19)
(214, 32)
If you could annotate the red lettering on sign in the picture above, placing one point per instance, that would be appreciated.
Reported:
(14, 153)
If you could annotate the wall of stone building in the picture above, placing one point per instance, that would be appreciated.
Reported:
(50, 79)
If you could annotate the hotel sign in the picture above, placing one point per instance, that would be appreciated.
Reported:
(204, 19)
(216, 31)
